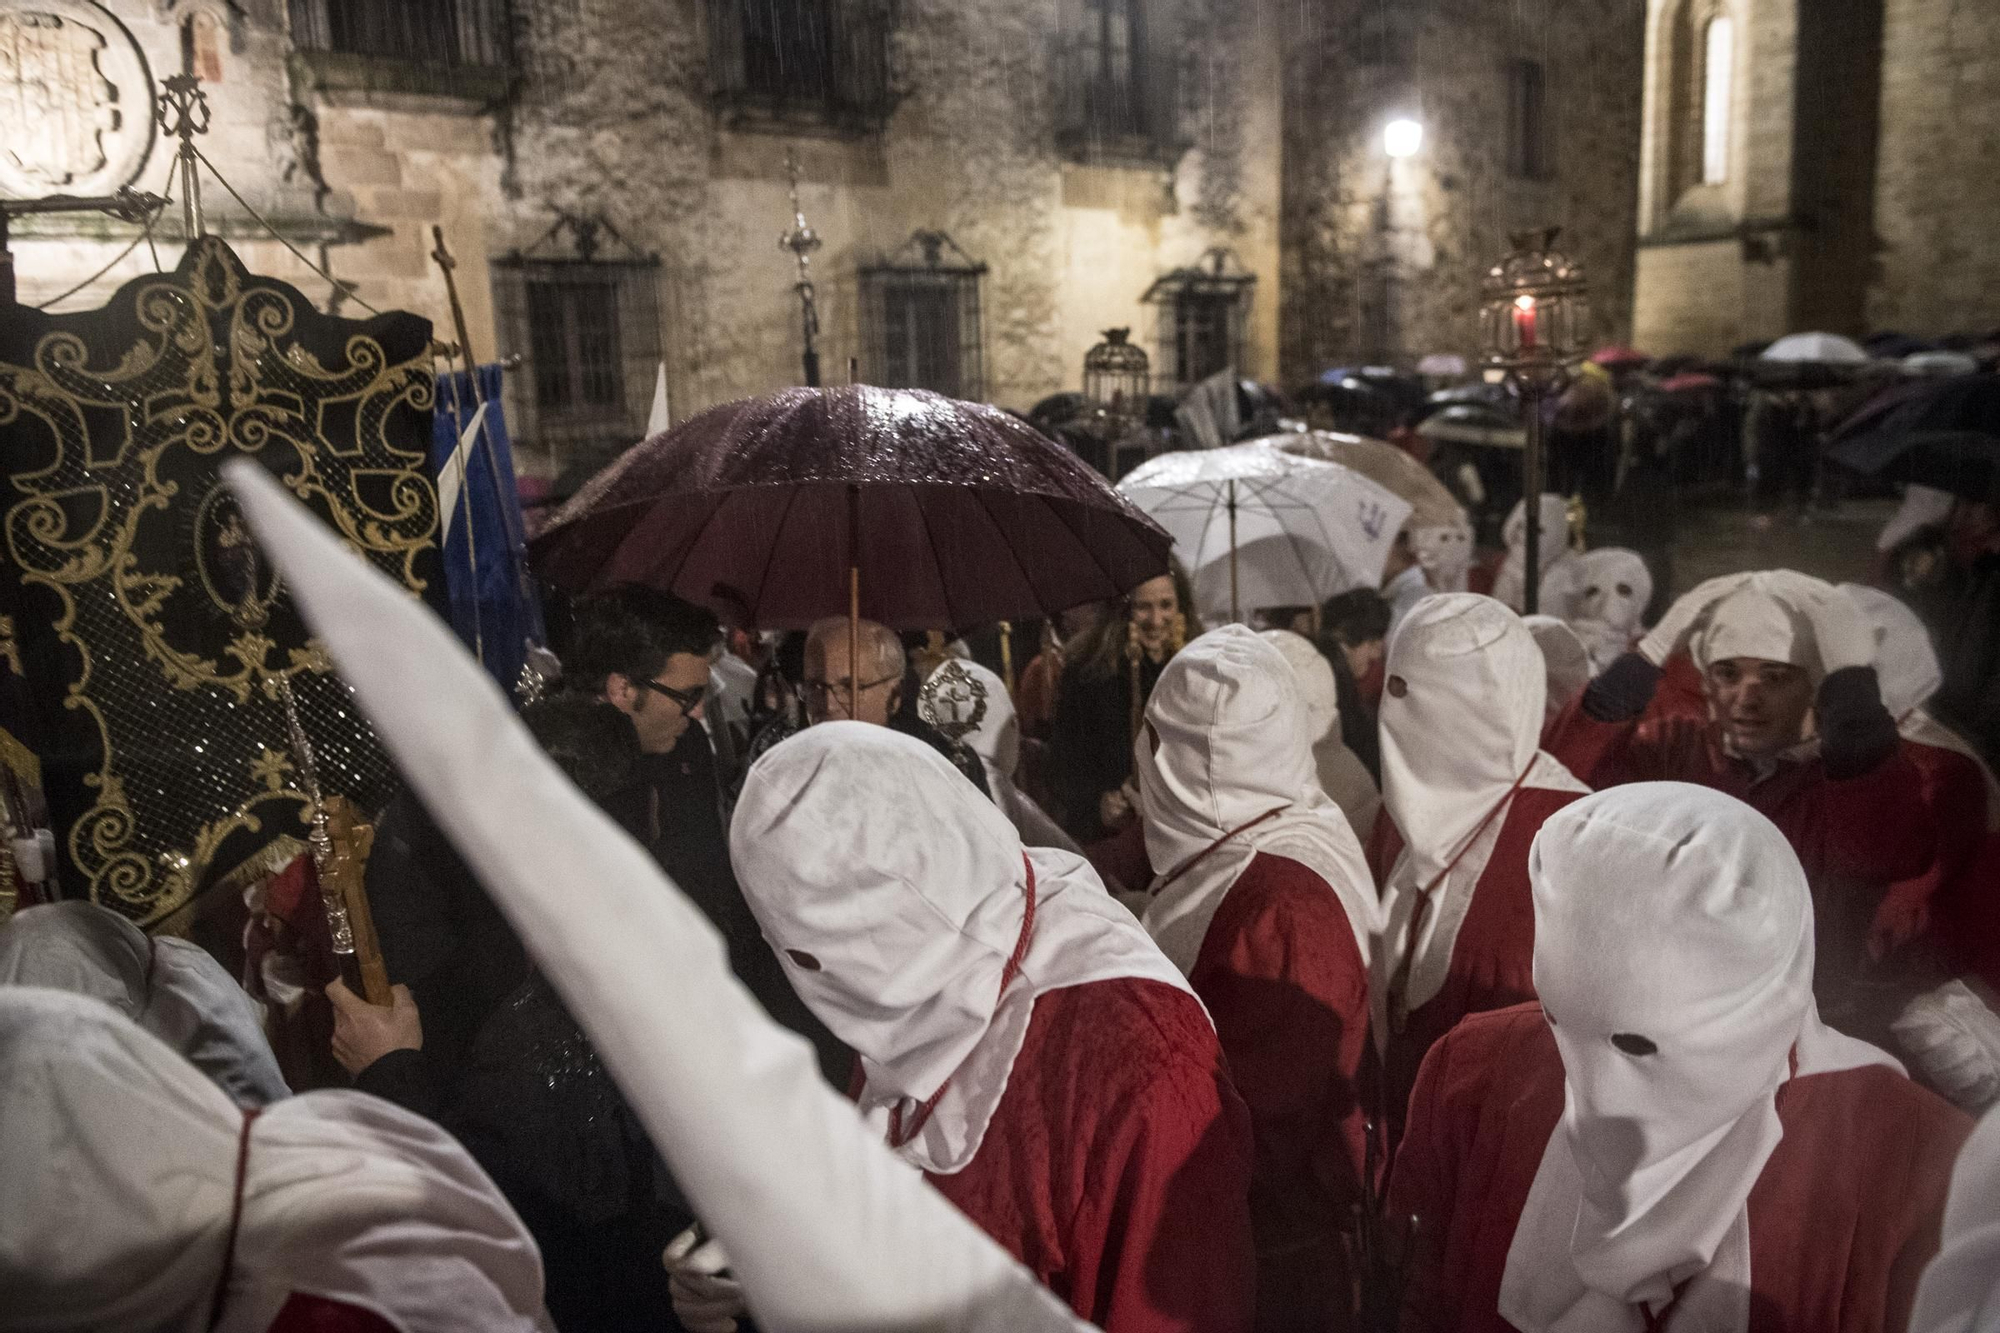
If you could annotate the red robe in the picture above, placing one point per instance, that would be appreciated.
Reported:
(1855, 836)
(1954, 791)
(1117, 1165)
(1283, 977)
(1843, 1217)
(1493, 958)
(317, 1314)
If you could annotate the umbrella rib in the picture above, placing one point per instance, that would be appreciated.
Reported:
(771, 555)
(1026, 581)
(1060, 510)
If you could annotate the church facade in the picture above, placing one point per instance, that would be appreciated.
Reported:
(1817, 164)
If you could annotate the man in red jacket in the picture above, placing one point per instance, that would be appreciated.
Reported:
(1262, 898)
(1671, 1139)
(1464, 790)
(1021, 1040)
(1797, 729)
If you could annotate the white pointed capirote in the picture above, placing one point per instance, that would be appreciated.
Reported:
(824, 1227)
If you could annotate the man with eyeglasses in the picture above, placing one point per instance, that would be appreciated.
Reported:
(646, 653)
(886, 694)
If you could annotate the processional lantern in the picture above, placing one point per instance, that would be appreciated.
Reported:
(1117, 376)
(1534, 310)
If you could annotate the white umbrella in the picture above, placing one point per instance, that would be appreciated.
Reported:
(1823, 348)
(1257, 526)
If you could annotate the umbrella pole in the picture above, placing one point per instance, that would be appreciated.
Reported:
(1007, 655)
(1235, 612)
(1531, 506)
(854, 601)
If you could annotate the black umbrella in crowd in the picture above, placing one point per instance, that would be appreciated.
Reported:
(1942, 433)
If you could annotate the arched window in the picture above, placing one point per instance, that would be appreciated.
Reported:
(1718, 64)
(1700, 109)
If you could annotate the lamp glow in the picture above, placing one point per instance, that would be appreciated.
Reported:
(1402, 137)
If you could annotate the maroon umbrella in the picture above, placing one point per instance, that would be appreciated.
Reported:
(771, 510)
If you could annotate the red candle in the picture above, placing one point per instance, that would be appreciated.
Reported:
(1524, 321)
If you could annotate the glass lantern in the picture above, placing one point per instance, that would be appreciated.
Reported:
(1116, 379)
(1534, 311)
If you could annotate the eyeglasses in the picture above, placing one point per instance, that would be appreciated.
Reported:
(818, 692)
(689, 700)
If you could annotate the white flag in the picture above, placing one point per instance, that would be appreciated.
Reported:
(451, 477)
(657, 420)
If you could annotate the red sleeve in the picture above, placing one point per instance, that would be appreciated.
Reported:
(1423, 1190)
(317, 1314)
(1955, 792)
(1161, 1242)
(1875, 827)
(1120, 860)
(1384, 845)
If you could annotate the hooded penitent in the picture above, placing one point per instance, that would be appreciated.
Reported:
(825, 1228)
(1233, 775)
(899, 899)
(1906, 664)
(966, 702)
(1679, 1013)
(1609, 590)
(1565, 660)
(1759, 619)
(1960, 1291)
(1444, 551)
(1461, 716)
(1341, 775)
(124, 1164)
(1556, 557)
(170, 987)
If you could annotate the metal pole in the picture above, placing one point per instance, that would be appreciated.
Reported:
(446, 264)
(854, 602)
(1235, 612)
(1531, 505)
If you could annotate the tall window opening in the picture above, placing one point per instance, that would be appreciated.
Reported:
(920, 318)
(1718, 66)
(1528, 154)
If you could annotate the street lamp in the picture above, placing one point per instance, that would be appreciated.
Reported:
(1402, 137)
(1534, 310)
(1117, 376)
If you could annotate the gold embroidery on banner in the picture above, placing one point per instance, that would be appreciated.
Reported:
(217, 370)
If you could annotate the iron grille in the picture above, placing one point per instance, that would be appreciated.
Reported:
(1116, 86)
(438, 33)
(822, 62)
(920, 317)
(1528, 154)
(1203, 314)
(588, 333)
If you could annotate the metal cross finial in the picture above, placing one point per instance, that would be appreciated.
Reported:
(183, 113)
(802, 240)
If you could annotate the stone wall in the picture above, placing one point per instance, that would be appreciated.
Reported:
(1383, 258)
(612, 119)
(1937, 205)
(1863, 184)
(324, 169)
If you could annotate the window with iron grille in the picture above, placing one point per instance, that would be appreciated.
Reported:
(1203, 313)
(920, 317)
(586, 326)
(1115, 86)
(791, 62)
(1528, 153)
(455, 47)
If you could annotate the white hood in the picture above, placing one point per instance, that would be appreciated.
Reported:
(1509, 584)
(823, 1225)
(1444, 551)
(1960, 1291)
(1235, 751)
(170, 987)
(1757, 620)
(1461, 715)
(1643, 1183)
(1906, 664)
(120, 1173)
(1341, 774)
(962, 694)
(896, 895)
(1607, 606)
(1565, 661)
